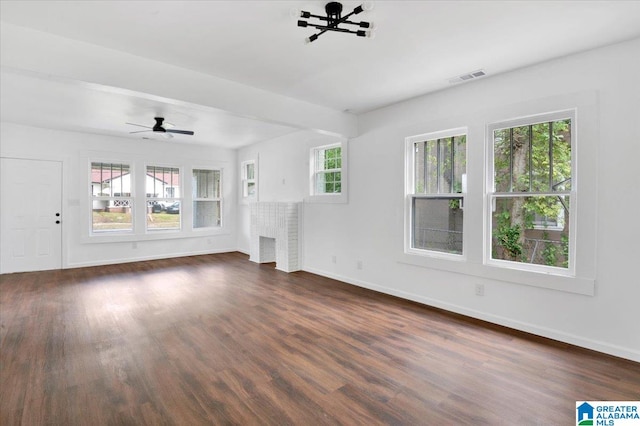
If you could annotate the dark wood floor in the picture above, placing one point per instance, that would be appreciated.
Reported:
(220, 340)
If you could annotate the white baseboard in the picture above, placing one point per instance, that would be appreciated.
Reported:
(561, 336)
(143, 258)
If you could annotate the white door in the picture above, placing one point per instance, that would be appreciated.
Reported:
(30, 215)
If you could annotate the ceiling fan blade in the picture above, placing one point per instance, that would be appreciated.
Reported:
(139, 125)
(140, 131)
(182, 132)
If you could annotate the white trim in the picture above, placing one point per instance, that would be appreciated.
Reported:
(144, 258)
(490, 192)
(138, 187)
(334, 198)
(615, 350)
(409, 192)
(219, 199)
(246, 199)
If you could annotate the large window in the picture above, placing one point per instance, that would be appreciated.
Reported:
(206, 198)
(111, 197)
(435, 188)
(327, 170)
(531, 192)
(163, 198)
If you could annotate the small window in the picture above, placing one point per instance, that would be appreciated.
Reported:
(163, 198)
(111, 200)
(327, 170)
(249, 182)
(531, 201)
(206, 198)
(436, 186)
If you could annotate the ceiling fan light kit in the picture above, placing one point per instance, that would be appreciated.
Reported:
(334, 19)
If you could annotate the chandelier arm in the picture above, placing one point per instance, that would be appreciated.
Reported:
(327, 28)
(344, 18)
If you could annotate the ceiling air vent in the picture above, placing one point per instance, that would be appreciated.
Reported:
(467, 77)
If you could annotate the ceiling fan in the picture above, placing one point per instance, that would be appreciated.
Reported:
(160, 128)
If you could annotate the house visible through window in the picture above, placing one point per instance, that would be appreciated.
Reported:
(206, 198)
(436, 185)
(327, 170)
(163, 198)
(531, 198)
(111, 200)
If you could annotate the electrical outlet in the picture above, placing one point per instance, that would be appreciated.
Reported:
(334, 259)
(479, 289)
(134, 245)
(359, 264)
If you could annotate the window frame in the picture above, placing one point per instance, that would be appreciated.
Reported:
(172, 199)
(245, 181)
(491, 193)
(131, 198)
(411, 195)
(219, 199)
(333, 197)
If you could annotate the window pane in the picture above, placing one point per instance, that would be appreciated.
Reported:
(159, 219)
(439, 165)
(206, 183)
(444, 160)
(520, 158)
(108, 179)
(431, 171)
(112, 215)
(540, 165)
(533, 158)
(163, 182)
(418, 167)
(250, 171)
(532, 229)
(562, 155)
(251, 189)
(460, 160)
(502, 160)
(206, 214)
(437, 224)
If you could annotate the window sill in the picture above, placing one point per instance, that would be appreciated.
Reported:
(153, 235)
(569, 284)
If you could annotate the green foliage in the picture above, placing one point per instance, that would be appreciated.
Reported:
(549, 254)
(565, 250)
(507, 236)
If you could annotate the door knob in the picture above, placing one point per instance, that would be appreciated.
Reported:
(57, 221)
(57, 214)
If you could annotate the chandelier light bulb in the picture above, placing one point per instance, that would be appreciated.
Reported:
(334, 21)
(295, 13)
(367, 6)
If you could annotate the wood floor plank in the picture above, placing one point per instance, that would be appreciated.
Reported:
(217, 339)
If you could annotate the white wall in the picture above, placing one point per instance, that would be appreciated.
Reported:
(370, 228)
(75, 150)
(283, 172)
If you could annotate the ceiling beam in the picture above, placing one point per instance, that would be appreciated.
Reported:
(30, 51)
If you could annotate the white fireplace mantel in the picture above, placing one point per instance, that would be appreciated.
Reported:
(275, 234)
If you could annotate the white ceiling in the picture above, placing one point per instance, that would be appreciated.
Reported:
(419, 46)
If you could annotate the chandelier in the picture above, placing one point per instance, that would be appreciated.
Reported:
(334, 21)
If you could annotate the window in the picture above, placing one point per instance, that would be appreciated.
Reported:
(436, 183)
(206, 198)
(111, 200)
(531, 196)
(249, 184)
(327, 170)
(163, 198)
